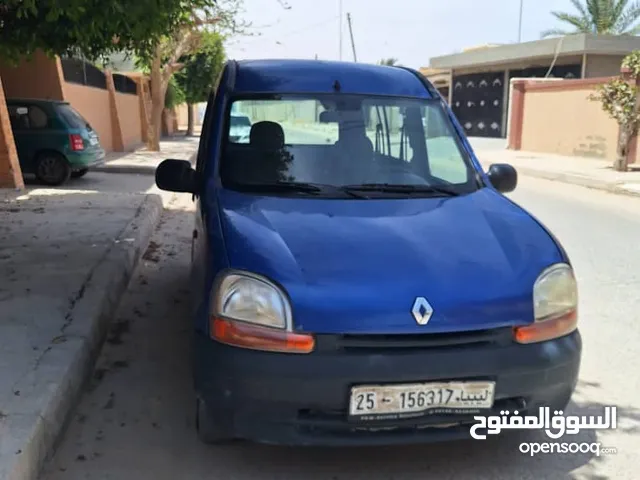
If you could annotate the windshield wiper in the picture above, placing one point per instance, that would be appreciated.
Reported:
(304, 187)
(400, 188)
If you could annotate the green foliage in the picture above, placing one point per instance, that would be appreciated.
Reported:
(174, 96)
(603, 17)
(632, 62)
(618, 96)
(389, 62)
(618, 99)
(201, 68)
(90, 27)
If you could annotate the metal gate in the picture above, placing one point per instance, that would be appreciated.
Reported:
(477, 102)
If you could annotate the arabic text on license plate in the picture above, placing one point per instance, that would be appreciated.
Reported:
(373, 402)
(93, 140)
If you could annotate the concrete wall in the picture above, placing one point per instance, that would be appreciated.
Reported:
(93, 104)
(182, 115)
(128, 110)
(39, 77)
(558, 117)
(602, 65)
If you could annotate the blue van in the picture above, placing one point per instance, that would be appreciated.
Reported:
(357, 278)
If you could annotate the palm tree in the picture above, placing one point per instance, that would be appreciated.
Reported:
(390, 62)
(601, 17)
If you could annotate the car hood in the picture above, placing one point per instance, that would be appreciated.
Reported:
(357, 266)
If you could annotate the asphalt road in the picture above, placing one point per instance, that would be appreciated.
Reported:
(136, 419)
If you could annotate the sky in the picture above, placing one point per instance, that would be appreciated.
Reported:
(412, 31)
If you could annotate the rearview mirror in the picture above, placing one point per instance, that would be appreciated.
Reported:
(176, 176)
(503, 177)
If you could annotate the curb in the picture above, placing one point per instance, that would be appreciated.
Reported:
(130, 169)
(573, 179)
(71, 356)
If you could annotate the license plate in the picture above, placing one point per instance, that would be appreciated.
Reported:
(378, 402)
(93, 140)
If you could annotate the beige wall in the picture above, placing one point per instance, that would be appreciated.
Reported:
(565, 122)
(39, 77)
(182, 115)
(93, 104)
(128, 107)
(603, 65)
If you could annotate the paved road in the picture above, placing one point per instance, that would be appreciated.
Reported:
(136, 418)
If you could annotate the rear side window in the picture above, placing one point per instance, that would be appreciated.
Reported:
(27, 117)
(71, 117)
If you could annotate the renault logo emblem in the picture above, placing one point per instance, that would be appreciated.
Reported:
(422, 311)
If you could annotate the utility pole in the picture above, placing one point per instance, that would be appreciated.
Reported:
(340, 27)
(353, 45)
(520, 23)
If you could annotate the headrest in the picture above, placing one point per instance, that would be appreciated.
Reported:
(267, 136)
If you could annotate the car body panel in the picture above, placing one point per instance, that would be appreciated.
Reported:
(379, 255)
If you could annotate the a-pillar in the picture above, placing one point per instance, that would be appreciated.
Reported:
(10, 172)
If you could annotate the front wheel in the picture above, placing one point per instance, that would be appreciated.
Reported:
(210, 430)
(52, 169)
(79, 173)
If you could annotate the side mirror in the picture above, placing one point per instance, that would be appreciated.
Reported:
(176, 176)
(503, 177)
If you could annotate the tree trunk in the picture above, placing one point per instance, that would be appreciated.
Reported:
(158, 92)
(621, 163)
(190, 120)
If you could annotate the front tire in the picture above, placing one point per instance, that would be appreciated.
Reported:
(210, 430)
(52, 169)
(79, 173)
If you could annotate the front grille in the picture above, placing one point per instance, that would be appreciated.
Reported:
(477, 338)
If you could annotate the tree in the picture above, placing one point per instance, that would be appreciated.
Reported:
(619, 99)
(182, 39)
(390, 62)
(199, 71)
(88, 27)
(603, 17)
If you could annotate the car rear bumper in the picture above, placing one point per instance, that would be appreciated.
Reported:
(87, 159)
(303, 399)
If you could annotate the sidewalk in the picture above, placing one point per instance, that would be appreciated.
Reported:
(583, 171)
(66, 256)
(144, 162)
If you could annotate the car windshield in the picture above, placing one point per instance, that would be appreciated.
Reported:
(72, 117)
(369, 143)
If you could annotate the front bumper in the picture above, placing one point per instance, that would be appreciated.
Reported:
(303, 399)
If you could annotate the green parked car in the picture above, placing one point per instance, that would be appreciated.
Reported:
(53, 140)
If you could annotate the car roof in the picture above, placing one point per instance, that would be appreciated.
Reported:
(320, 76)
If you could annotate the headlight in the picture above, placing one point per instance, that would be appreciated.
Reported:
(253, 300)
(555, 292)
(555, 306)
(249, 311)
